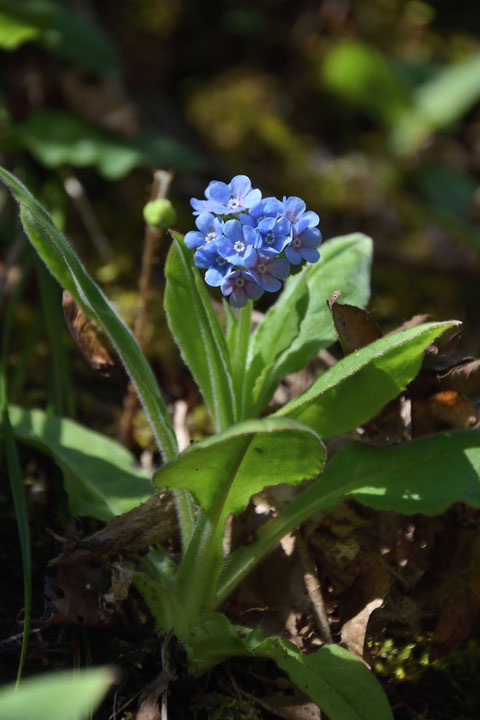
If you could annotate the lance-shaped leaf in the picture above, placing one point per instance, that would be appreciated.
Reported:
(198, 334)
(98, 473)
(249, 456)
(426, 475)
(299, 324)
(63, 263)
(423, 476)
(359, 385)
(341, 684)
(63, 696)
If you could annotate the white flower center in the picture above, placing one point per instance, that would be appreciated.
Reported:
(210, 236)
(239, 246)
(234, 203)
(239, 282)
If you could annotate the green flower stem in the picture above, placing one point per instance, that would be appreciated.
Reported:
(186, 515)
(202, 564)
(239, 359)
(246, 558)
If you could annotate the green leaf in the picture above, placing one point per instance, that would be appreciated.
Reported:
(278, 347)
(59, 138)
(359, 385)
(59, 696)
(62, 262)
(363, 76)
(99, 474)
(439, 102)
(198, 334)
(423, 476)
(72, 35)
(452, 92)
(341, 684)
(21, 516)
(223, 472)
(212, 640)
(15, 31)
(242, 460)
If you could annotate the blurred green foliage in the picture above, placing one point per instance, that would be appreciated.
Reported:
(368, 110)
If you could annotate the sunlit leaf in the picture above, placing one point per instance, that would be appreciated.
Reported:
(198, 334)
(56, 696)
(278, 347)
(14, 31)
(98, 473)
(359, 385)
(244, 459)
(341, 684)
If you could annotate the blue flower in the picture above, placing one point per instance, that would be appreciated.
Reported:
(237, 242)
(294, 210)
(274, 233)
(240, 286)
(209, 228)
(252, 251)
(267, 269)
(207, 258)
(230, 199)
(304, 241)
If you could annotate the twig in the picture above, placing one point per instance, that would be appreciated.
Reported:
(314, 589)
(160, 187)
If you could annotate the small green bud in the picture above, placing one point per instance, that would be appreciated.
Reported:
(160, 213)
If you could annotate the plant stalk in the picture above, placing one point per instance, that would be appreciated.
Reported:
(239, 359)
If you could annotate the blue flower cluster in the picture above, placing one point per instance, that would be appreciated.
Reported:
(245, 243)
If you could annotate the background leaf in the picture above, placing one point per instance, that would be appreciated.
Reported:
(359, 385)
(70, 34)
(59, 696)
(99, 474)
(59, 138)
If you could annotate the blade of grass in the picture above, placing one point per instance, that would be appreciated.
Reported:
(15, 473)
(59, 370)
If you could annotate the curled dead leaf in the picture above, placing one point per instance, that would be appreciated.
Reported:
(87, 335)
(154, 521)
(464, 377)
(354, 326)
(354, 630)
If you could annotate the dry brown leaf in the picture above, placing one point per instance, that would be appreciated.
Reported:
(75, 596)
(87, 335)
(154, 521)
(457, 596)
(464, 377)
(354, 326)
(453, 409)
(354, 631)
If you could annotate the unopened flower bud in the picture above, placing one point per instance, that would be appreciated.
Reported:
(160, 213)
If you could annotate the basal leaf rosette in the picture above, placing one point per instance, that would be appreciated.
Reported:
(247, 244)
